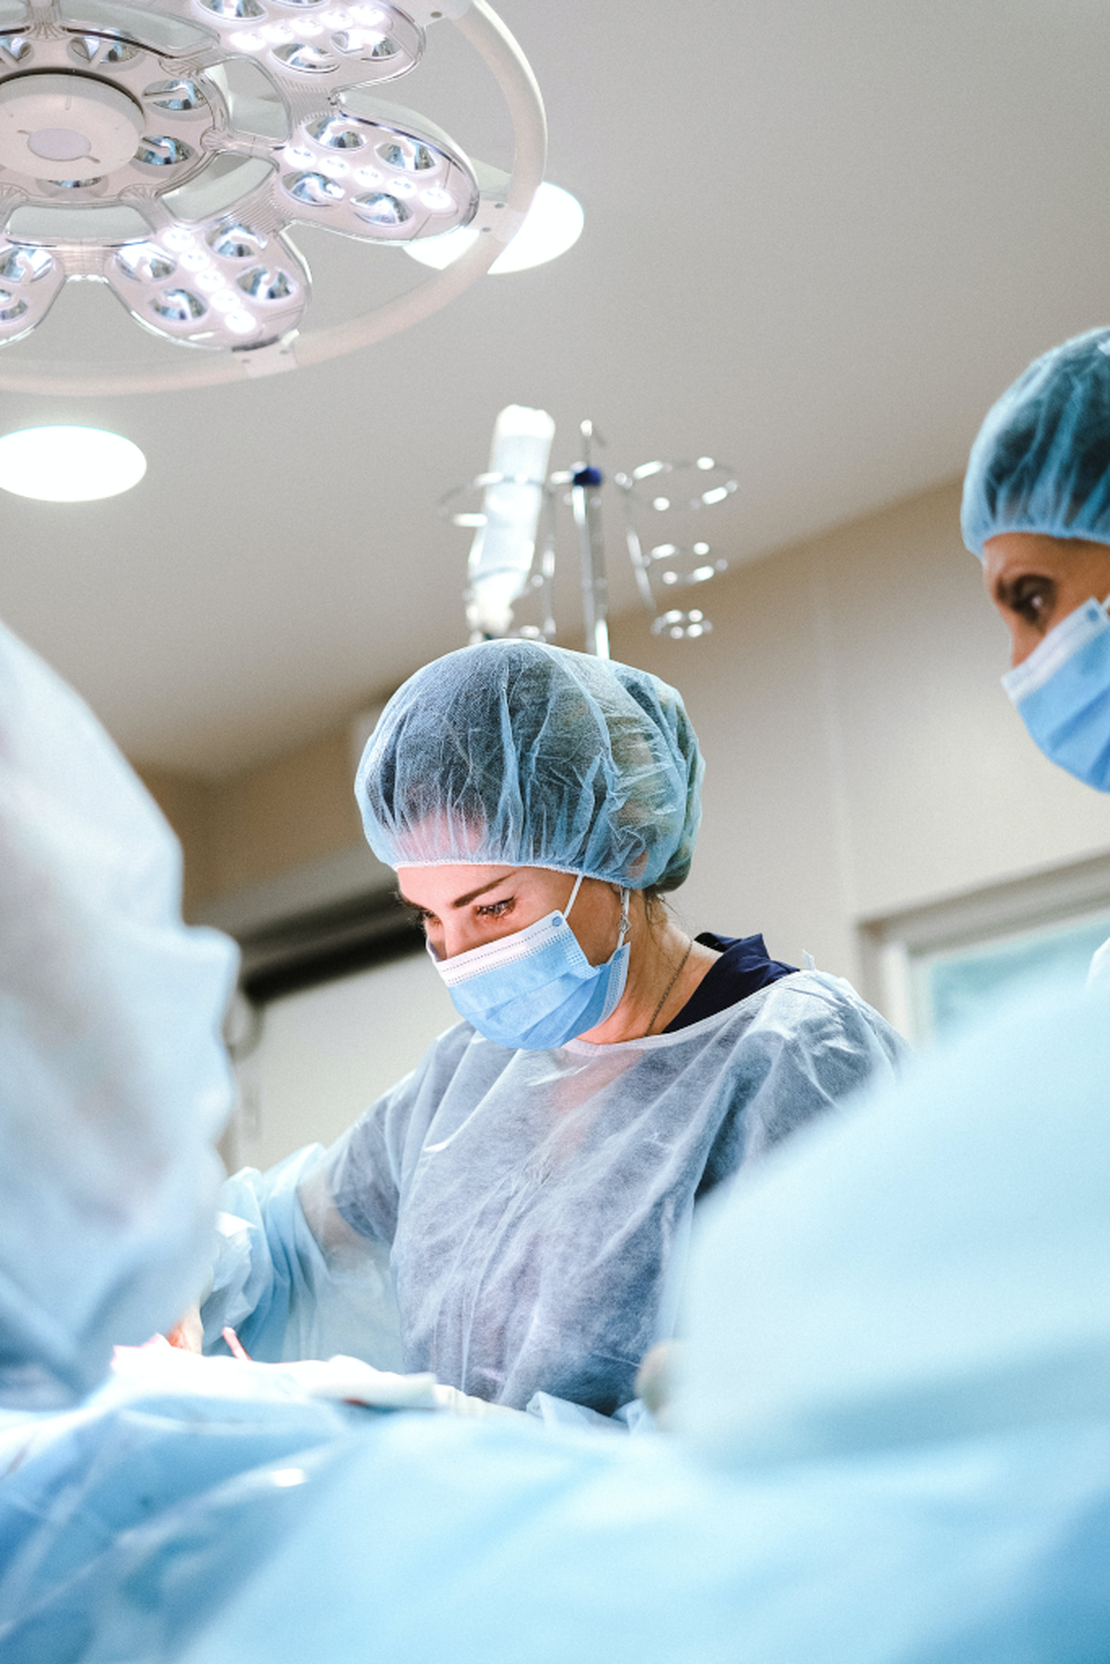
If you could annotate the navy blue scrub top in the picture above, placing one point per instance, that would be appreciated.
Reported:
(743, 968)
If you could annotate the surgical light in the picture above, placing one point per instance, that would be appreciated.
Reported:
(69, 464)
(166, 148)
(552, 225)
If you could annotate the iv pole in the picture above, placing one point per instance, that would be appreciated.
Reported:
(503, 564)
(586, 483)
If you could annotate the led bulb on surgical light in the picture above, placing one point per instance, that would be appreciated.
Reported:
(69, 464)
(552, 225)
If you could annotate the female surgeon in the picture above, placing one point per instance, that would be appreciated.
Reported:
(513, 1215)
(1036, 510)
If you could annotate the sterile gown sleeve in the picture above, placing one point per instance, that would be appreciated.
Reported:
(287, 1292)
(290, 1275)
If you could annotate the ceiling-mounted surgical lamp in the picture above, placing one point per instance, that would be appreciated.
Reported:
(165, 149)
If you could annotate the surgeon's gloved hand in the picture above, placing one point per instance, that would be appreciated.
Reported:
(188, 1332)
(655, 1381)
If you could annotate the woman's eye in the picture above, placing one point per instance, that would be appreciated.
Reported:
(495, 909)
(1033, 603)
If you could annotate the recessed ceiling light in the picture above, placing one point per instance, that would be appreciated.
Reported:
(551, 226)
(69, 464)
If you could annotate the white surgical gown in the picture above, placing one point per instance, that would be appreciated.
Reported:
(534, 1206)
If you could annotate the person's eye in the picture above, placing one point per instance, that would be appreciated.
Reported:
(1033, 600)
(419, 915)
(496, 909)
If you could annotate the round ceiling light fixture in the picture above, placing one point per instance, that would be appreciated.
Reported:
(166, 148)
(552, 225)
(69, 464)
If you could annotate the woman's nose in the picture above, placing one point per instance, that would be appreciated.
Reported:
(458, 936)
(1022, 643)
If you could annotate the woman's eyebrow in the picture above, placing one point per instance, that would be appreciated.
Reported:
(472, 895)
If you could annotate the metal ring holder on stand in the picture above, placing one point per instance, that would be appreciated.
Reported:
(663, 498)
(682, 490)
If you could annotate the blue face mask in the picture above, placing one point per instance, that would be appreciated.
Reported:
(536, 989)
(1062, 692)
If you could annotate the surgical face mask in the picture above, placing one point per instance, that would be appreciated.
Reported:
(1062, 693)
(536, 989)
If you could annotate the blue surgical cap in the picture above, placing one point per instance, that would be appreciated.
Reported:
(513, 753)
(1041, 462)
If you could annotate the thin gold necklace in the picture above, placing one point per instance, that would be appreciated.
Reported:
(670, 985)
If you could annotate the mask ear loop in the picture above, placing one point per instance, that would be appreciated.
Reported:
(573, 893)
(626, 922)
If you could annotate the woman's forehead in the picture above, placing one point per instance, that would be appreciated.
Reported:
(1009, 555)
(457, 885)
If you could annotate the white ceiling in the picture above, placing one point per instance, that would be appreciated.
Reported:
(821, 235)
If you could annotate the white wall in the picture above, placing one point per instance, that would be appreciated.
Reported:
(326, 1053)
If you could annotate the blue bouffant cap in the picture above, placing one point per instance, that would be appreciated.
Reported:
(1041, 462)
(514, 753)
